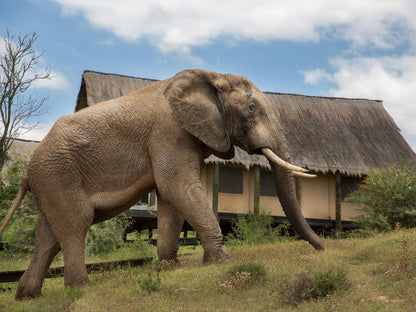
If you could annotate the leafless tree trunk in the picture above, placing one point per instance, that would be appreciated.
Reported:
(17, 74)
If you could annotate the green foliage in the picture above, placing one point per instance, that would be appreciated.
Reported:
(383, 280)
(141, 245)
(387, 198)
(327, 282)
(253, 229)
(298, 290)
(363, 232)
(10, 180)
(306, 286)
(151, 283)
(62, 300)
(243, 275)
(106, 236)
(20, 233)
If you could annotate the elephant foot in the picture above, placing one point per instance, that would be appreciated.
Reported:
(30, 285)
(78, 284)
(215, 256)
(168, 257)
(27, 290)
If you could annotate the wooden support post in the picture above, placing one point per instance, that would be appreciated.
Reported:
(215, 188)
(256, 190)
(338, 222)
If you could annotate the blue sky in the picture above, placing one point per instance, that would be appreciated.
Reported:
(354, 48)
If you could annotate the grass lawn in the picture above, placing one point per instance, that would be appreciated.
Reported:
(380, 273)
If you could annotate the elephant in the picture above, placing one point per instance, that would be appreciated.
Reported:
(96, 163)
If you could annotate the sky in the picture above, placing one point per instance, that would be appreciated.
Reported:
(352, 48)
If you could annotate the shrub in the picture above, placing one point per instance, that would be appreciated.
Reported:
(298, 290)
(141, 244)
(328, 282)
(256, 229)
(106, 236)
(20, 233)
(387, 198)
(306, 286)
(243, 275)
(151, 283)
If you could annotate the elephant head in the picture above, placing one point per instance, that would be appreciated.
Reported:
(226, 110)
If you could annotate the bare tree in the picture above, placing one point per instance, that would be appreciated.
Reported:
(18, 72)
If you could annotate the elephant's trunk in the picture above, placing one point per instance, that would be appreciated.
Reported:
(287, 197)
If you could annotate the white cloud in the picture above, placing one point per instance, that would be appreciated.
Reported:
(391, 79)
(373, 26)
(314, 76)
(37, 133)
(178, 26)
(57, 81)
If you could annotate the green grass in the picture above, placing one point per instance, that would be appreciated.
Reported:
(379, 272)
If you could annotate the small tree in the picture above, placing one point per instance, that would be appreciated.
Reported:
(387, 198)
(20, 234)
(18, 72)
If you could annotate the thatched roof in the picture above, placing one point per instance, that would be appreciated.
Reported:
(19, 148)
(324, 134)
(100, 87)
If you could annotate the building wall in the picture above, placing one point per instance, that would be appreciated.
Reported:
(317, 197)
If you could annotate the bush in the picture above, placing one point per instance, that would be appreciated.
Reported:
(387, 198)
(243, 275)
(106, 236)
(256, 229)
(151, 283)
(20, 233)
(328, 282)
(306, 286)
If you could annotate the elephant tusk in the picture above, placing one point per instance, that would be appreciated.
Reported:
(277, 160)
(304, 175)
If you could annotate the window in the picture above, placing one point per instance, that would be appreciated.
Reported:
(267, 185)
(231, 180)
(349, 185)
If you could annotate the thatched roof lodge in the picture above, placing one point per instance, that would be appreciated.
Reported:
(325, 134)
(337, 138)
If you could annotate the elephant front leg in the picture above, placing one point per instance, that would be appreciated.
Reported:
(178, 181)
(190, 202)
(169, 227)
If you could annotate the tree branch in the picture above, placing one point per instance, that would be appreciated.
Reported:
(17, 74)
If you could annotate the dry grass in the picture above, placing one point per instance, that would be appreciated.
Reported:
(381, 272)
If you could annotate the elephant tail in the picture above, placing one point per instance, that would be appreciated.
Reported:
(20, 195)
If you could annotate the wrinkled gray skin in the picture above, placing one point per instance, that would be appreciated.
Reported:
(98, 162)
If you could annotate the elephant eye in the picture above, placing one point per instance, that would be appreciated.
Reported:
(252, 107)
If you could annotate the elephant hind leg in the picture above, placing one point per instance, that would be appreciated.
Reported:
(71, 230)
(46, 248)
(169, 227)
(70, 215)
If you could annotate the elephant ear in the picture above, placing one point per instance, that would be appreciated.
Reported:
(195, 97)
